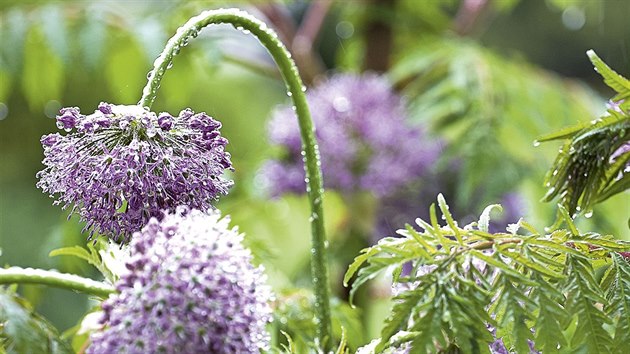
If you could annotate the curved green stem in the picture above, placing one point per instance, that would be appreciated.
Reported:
(249, 24)
(19, 275)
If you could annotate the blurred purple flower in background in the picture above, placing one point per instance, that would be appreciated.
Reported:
(190, 288)
(122, 165)
(413, 201)
(514, 209)
(364, 140)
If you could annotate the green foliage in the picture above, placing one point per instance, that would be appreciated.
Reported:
(617, 82)
(288, 348)
(92, 255)
(587, 170)
(551, 316)
(618, 295)
(294, 318)
(489, 108)
(5, 84)
(527, 284)
(43, 72)
(40, 56)
(343, 344)
(582, 295)
(291, 348)
(128, 59)
(24, 331)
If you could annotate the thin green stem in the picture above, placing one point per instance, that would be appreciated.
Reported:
(19, 275)
(314, 187)
(484, 245)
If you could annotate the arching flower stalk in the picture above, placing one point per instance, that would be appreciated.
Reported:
(313, 177)
(122, 165)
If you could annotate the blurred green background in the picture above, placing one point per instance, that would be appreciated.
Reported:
(513, 71)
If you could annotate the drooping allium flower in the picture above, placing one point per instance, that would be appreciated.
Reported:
(190, 288)
(122, 165)
(364, 140)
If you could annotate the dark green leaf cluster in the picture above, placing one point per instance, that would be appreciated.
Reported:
(532, 287)
(24, 331)
(589, 169)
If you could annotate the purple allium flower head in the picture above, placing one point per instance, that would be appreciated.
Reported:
(122, 165)
(364, 140)
(190, 288)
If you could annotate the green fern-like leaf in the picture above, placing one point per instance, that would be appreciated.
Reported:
(551, 320)
(400, 313)
(589, 167)
(617, 82)
(583, 293)
(425, 340)
(618, 294)
(535, 287)
(515, 312)
(91, 255)
(397, 255)
(24, 331)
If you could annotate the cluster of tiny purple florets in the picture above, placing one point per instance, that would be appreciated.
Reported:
(190, 288)
(364, 140)
(122, 165)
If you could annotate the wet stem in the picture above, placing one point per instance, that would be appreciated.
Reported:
(314, 187)
(56, 279)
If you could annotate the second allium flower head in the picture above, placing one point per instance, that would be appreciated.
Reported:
(122, 165)
(190, 287)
